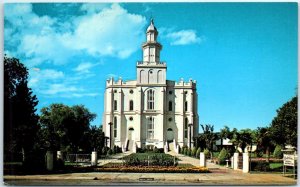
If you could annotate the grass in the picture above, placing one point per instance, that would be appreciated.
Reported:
(276, 165)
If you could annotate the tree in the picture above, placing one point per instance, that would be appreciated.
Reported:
(20, 120)
(208, 136)
(263, 140)
(284, 126)
(224, 134)
(64, 127)
(242, 138)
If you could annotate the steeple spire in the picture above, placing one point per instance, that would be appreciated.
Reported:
(151, 48)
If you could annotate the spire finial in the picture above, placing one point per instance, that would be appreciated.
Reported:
(152, 22)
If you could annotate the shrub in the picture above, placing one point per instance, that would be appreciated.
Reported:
(206, 153)
(109, 152)
(277, 152)
(198, 152)
(223, 155)
(260, 166)
(194, 150)
(189, 151)
(185, 151)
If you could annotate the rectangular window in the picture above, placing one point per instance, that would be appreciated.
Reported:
(150, 100)
(170, 105)
(115, 105)
(150, 128)
(185, 106)
(115, 127)
(186, 128)
(131, 105)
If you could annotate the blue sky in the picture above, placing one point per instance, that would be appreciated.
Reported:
(243, 55)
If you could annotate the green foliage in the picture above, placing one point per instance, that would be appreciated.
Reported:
(20, 118)
(223, 155)
(206, 153)
(260, 166)
(185, 151)
(64, 126)
(277, 152)
(152, 159)
(284, 126)
(242, 138)
(208, 136)
(189, 152)
(198, 152)
(193, 152)
(109, 152)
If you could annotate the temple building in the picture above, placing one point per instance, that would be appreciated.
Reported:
(150, 111)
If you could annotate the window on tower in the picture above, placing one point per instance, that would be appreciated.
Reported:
(150, 99)
(170, 106)
(185, 106)
(186, 128)
(115, 105)
(131, 105)
(115, 126)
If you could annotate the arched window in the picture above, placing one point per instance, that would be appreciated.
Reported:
(150, 99)
(115, 126)
(131, 105)
(170, 106)
(186, 128)
(150, 128)
(115, 105)
(185, 106)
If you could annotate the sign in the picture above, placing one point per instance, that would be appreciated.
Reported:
(288, 160)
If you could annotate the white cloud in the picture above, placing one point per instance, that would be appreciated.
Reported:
(85, 67)
(111, 32)
(103, 31)
(59, 88)
(92, 8)
(41, 77)
(184, 37)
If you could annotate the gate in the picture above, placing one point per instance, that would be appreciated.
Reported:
(78, 159)
(240, 161)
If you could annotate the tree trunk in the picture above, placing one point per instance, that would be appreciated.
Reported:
(268, 154)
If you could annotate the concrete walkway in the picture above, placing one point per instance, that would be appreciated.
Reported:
(111, 178)
(113, 158)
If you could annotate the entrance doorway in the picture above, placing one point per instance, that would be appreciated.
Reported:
(130, 133)
(170, 135)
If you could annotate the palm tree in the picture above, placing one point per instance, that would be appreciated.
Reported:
(263, 140)
(209, 136)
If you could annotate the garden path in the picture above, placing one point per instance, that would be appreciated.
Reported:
(113, 158)
(195, 161)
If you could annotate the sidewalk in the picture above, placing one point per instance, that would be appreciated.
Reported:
(151, 178)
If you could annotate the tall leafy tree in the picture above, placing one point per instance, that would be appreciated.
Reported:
(20, 120)
(64, 127)
(263, 140)
(284, 125)
(208, 135)
(242, 138)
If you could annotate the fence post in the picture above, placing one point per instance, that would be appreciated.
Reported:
(245, 162)
(235, 161)
(231, 160)
(49, 160)
(94, 158)
(202, 160)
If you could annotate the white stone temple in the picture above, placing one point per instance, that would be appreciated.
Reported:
(150, 111)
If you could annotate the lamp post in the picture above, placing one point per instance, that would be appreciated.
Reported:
(110, 134)
(190, 126)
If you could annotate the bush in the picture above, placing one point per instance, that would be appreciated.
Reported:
(185, 151)
(260, 166)
(189, 152)
(109, 152)
(277, 152)
(198, 152)
(194, 150)
(206, 153)
(223, 155)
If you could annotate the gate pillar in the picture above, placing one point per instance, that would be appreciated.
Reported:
(245, 162)
(94, 158)
(235, 161)
(202, 160)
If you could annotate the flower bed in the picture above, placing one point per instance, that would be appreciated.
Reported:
(152, 169)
